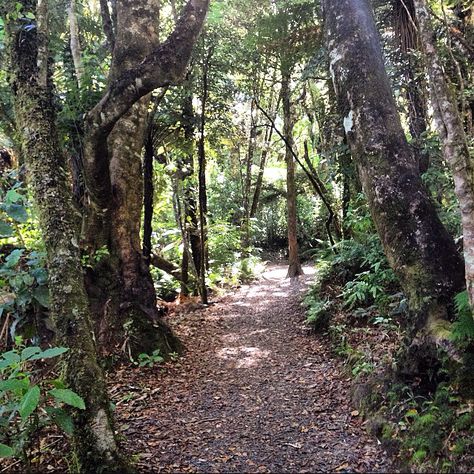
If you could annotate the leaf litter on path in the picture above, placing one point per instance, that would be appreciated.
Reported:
(253, 392)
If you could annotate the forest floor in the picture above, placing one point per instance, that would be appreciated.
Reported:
(253, 392)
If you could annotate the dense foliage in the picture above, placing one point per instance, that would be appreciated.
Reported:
(215, 153)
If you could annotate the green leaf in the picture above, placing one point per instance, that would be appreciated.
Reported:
(41, 295)
(62, 419)
(17, 212)
(6, 230)
(29, 402)
(13, 384)
(41, 274)
(13, 258)
(11, 356)
(13, 196)
(6, 451)
(49, 353)
(69, 397)
(27, 352)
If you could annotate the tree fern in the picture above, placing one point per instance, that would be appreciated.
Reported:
(463, 327)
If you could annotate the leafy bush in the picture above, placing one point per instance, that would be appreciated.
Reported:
(23, 274)
(463, 327)
(317, 310)
(28, 404)
(23, 290)
(13, 204)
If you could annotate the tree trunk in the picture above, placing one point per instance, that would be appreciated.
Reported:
(453, 139)
(204, 263)
(148, 195)
(408, 42)
(122, 287)
(417, 246)
(294, 265)
(94, 438)
(191, 235)
(75, 43)
(247, 185)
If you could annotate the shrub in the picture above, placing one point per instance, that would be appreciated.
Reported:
(29, 403)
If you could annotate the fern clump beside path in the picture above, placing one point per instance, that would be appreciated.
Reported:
(252, 393)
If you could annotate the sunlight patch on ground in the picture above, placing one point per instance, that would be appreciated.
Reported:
(243, 356)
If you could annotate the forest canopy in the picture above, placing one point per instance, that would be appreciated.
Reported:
(157, 155)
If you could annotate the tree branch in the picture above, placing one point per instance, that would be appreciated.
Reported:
(166, 65)
(166, 266)
(311, 178)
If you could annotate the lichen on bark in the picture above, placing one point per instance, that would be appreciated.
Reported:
(94, 438)
(418, 247)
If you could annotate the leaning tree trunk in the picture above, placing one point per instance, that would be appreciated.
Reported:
(122, 287)
(94, 438)
(294, 265)
(417, 246)
(450, 128)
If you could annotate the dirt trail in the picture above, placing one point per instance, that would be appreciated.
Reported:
(253, 393)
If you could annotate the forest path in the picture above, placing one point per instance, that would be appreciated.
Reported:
(252, 393)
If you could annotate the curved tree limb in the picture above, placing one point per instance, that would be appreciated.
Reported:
(166, 65)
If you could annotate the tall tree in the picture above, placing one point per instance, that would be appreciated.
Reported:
(418, 247)
(455, 148)
(94, 437)
(294, 265)
(112, 148)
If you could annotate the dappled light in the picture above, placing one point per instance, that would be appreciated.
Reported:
(242, 357)
(246, 226)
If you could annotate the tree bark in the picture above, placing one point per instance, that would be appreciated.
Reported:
(294, 265)
(190, 226)
(247, 185)
(122, 288)
(75, 43)
(94, 438)
(417, 246)
(409, 42)
(203, 264)
(455, 148)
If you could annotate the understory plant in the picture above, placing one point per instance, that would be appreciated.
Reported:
(29, 402)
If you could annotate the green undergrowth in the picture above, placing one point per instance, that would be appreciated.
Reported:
(426, 423)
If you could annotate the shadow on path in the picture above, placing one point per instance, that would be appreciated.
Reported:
(253, 393)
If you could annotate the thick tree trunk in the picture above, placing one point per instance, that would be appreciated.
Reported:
(417, 246)
(294, 265)
(122, 287)
(124, 293)
(453, 139)
(94, 438)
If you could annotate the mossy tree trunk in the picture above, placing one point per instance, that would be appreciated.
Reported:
(453, 139)
(94, 438)
(418, 247)
(121, 287)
